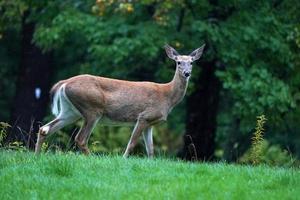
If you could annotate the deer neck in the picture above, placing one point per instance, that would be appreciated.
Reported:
(178, 88)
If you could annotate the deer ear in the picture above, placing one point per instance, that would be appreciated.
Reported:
(196, 54)
(171, 52)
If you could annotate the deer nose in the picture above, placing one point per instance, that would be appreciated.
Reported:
(187, 74)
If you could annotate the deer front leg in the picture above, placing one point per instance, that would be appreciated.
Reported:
(148, 139)
(50, 128)
(137, 131)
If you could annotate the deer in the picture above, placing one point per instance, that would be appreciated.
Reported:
(95, 98)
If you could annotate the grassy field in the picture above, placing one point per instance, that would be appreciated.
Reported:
(70, 176)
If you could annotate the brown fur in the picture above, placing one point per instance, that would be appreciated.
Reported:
(122, 101)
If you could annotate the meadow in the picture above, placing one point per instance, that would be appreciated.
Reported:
(24, 175)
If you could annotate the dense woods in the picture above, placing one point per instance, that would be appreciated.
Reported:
(250, 67)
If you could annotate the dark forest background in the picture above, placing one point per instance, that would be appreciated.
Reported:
(250, 67)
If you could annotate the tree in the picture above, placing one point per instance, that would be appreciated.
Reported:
(249, 66)
(29, 104)
(34, 78)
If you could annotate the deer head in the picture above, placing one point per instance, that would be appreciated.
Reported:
(184, 62)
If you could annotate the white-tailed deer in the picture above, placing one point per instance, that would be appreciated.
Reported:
(93, 98)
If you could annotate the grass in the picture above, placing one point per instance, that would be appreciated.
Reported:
(70, 176)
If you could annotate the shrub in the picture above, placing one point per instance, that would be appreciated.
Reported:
(270, 154)
(262, 152)
(3, 132)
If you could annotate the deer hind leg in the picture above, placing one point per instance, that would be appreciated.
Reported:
(148, 139)
(137, 131)
(84, 133)
(53, 126)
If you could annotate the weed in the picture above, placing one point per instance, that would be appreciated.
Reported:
(257, 140)
(3, 132)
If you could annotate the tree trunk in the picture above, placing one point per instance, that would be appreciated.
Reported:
(202, 106)
(231, 151)
(31, 98)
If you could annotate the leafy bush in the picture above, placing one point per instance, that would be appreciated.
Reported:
(16, 145)
(261, 151)
(272, 155)
(3, 132)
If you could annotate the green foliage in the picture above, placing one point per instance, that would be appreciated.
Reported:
(3, 132)
(11, 12)
(109, 139)
(254, 45)
(264, 92)
(124, 45)
(65, 176)
(272, 155)
(295, 36)
(262, 152)
(44, 147)
(16, 145)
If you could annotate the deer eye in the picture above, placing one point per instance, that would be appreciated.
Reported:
(178, 63)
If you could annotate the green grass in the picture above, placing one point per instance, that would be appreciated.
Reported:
(70, 176)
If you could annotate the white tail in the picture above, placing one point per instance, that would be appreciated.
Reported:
(55, 103)
(93, 98)
(61, 105)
